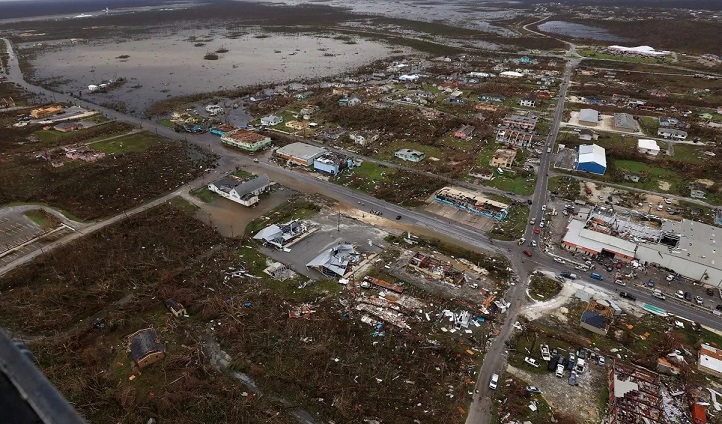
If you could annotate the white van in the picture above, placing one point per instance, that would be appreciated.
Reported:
(494, 381)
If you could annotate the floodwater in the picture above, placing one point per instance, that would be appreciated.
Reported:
(169, 65)
(576, 30)
(230, 219)
(473, 14)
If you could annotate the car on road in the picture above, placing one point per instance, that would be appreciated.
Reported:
(541, 224)
(650, 283)
(560, 260)
(670, 277)
(596, 276)
(679, 294)
(698, 300)
(255, 160)
(494, 381)
(620, 282)
(544, 207)
(601, 360)
(658, 294)
(533, 389)
(532, 221)
(581, 267)
(537, 230)
(533, 243)
(398, 217)
(532, 362)
(626, 295)
(528, 253)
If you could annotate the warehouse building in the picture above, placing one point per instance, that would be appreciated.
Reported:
(592, 159)
(588, 117)
(301, 154)
(579, 238)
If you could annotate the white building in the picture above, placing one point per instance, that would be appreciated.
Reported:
(647, 146)
(271, 120)
(511, 74)
(672, 133)
(588, 117)
(244, 193)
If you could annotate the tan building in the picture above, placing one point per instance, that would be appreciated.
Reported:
(44, 112)
(145, 347)
(503, 158)
(297, 125)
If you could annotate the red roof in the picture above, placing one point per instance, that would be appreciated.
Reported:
(699, 414)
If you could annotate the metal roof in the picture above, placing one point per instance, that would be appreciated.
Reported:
(302, 151)
(588, 115)
(624, 120)
(592, 153)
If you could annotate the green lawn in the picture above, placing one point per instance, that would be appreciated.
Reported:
(513, 226)
(243, 174)
(167, 123)
(387, 151)
(51, 135)
(139, 142)
(204, 194)
(42, 219)
(543, 288)
(518, 184)
(689, 153)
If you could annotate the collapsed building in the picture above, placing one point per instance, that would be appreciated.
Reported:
(472, 202)
(336, 261)
(437, 269)
(281, 235)
(634, 395)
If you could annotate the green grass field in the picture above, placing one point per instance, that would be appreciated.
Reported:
(204, 194)
(127, 144)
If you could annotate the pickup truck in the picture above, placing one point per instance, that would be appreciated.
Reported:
(545, 352)
(567, 274)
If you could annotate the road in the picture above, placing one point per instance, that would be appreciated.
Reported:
(494, 362)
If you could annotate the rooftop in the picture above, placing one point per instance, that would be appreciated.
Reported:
(144, 342)
(589, 115)
(645, 143)
(336, 259)
(592, 153)
(580, 236)
(625, 120)
(300, 151)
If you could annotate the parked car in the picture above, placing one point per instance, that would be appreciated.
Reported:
(537, 230)
(528, 253)
(698, 300)
(582, 353)
(601, 360)
(541, 224)
(670, 277)
(560, 371)
(560, 260)
(709, 291)
(679, 294)
(533, 389)
(626, 295)
(494, 381)
(687, 296)
(719, 308)
(650, 283)
(572, 361)
(620, 282)
(572, 379)
(532, 362)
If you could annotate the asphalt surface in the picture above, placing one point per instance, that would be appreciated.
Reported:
(495, 359)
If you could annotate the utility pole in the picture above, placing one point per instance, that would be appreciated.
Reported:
(338, 222)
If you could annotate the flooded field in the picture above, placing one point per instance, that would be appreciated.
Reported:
(474, 14)
(169, 65)
(576, 30)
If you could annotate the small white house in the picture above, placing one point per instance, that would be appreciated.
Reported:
(527, 102)
(647, 146)
(271, 120)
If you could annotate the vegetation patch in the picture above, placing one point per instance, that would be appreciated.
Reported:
(543, 288)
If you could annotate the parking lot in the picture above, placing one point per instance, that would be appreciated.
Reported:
(462, 217)
(16, 229)
(332, 228)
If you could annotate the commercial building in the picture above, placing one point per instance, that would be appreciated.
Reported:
(579, 238)
(634, 395)
(245, 193)
(514, 137)
(410, 155)
(643, 51)
(281, 235)
(588, 117)
(526, 123)
(625, 122)
(647, 146)
(710, 360)
(472, 202)
(503, 158)
(299, 153)
(672, 133)
(246, 140)
(336, 261)
(592, 158)
(331, 163)
(687, 247)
